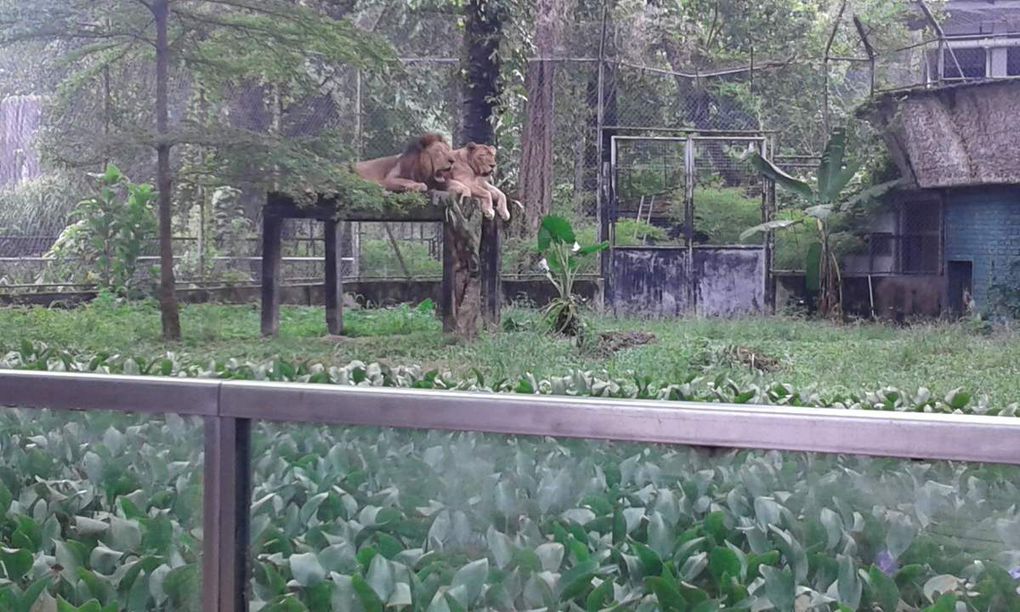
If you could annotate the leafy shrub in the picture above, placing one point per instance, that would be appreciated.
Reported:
(563, 260)
(104, 244)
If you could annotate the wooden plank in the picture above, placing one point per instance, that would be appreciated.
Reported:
(272, 259)
(447, 297)
(491, 268)
(334, 280)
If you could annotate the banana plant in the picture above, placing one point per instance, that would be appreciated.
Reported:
(826, 197)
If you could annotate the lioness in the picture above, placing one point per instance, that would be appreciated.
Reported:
(425, 164)
(473, 166)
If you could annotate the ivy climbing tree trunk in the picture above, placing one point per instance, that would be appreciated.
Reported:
(537, 140)
(167, 290)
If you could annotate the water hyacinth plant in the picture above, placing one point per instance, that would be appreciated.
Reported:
(103, 512)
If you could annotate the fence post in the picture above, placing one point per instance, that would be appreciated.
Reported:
(226, 520)
(272, 254)
(334, 279)
(491, 272)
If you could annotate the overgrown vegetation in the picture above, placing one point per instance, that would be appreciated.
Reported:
(107, 508)
(827, 201)
(814, 358)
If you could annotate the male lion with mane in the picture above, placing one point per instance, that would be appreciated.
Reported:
(425, 164)
(469, 178)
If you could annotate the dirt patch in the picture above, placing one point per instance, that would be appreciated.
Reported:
(752, 359)
(612, 342)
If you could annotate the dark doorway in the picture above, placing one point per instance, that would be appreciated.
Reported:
(960, 276)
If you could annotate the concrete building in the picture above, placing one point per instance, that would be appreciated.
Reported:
(953, 236)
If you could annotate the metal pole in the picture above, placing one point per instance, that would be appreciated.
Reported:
(600, 199)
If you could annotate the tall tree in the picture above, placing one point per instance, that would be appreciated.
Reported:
(536, 172)
(482, 82)
(219, 42)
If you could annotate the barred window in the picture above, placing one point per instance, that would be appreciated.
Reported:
(920, 237)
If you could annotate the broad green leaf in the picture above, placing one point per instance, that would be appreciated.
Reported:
(780, 178)
(472, 577)
(693, 566)
(551, 555)
(945, 603)
(831, 166)
(666, 592)
(821, 212)
(769, 226)
(723, 562)
(285, 603)
(849, 583)
(793, 552)
(651, 562)
(600, 596)
(500, 547)
(660, 535)
(380, 577)
(575, 581)
(306, 569)
(900, 535)
(125, 535)
(31, 595)
(779, 587)
(882, 589)
(833, 528)
(366, 595)
(812, 268)
(17, 562)
(871, 193)
(338, 558)
(554, 229)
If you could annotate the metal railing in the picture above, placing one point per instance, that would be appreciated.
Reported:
(228, 409)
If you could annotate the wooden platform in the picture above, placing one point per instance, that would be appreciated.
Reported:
(332, 213)
(328, 209)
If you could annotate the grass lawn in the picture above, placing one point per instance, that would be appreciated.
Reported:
(805, 354)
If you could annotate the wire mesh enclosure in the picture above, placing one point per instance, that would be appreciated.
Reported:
(611, 71)
(698, 190)
(679, 206)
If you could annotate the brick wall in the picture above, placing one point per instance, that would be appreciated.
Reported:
(982, 225)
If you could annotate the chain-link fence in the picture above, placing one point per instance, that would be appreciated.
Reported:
(609, 79)
(671, 189)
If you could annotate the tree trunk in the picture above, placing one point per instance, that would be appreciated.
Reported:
(481, 91)
(167, 292)
(540, 112)
(482, 85)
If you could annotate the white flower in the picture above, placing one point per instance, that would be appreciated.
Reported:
(543, 265)
(576, 248)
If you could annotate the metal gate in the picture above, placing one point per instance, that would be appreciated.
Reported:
(676, 206)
